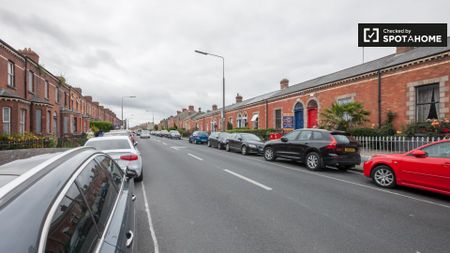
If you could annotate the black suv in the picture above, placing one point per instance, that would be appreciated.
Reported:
(317, 148)
(77, 201)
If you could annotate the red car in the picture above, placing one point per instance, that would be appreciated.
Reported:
(426, 168)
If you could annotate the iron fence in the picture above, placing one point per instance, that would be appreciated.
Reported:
(393, 144)
(41, 143)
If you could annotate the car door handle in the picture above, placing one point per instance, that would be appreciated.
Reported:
(133, 197)
(130, 237)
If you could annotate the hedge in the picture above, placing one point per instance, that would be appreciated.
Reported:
(262, 133)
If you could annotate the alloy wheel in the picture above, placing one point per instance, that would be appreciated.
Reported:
(384, 177)
(244, 150)
(312, 161)
(268, 154)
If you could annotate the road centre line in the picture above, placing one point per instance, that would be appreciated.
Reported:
(358, 184)
(194, 156)
(248, 180)
(150, 223)
(164, 143)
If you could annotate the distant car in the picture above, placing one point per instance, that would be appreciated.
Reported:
(426, 168)
(164, 133)
(174, 134)
(223, 140)
(245, 143)
(198, 137)
(139, 131)
(316, 148)
(145, 134)
(122, 150)
(117, 133)
(213, 139)
(77, 197)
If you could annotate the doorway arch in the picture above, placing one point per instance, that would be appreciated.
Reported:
(298, 116)
(312, 109)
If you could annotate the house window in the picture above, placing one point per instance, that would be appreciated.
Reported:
(38, 126)
(255, 120)
(11, 74)
(66, 125)
(6, 120)
(57, 94)
(244, 120)
(46, 89)
(344, 100)
(74, 125)
(239, 121)
(23, 115)
(30, 81)
(427, 102)
(49, 122)
(278, 118)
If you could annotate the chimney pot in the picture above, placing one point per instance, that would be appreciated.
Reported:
(214, 107)
(238, 98)
(30, 54)
(191, 108)
(284, 83)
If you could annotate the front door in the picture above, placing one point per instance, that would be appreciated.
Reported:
(298, 115)
(312, 117)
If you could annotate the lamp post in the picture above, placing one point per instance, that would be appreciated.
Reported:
(122, 107)
(223, 83)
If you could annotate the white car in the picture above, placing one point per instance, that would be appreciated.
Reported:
(117, 133)
(145, 134)
(122, 150)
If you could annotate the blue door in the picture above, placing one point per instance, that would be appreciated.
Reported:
(298, 116)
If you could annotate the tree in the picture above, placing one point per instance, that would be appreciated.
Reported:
(104, 126)
(344, 116)
(155, 127)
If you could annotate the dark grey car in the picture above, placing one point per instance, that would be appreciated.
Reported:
(76, 201)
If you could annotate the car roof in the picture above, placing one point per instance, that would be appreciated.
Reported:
(104, 138)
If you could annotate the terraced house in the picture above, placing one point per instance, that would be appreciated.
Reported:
(32, 99)
(412, 82)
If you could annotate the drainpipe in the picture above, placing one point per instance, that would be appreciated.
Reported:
(267, 114)
(379, 98)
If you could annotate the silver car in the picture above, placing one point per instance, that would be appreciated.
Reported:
(122, 150)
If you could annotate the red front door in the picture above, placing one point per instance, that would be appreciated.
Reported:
(312, 117)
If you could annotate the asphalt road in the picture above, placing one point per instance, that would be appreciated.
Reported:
(205, 200)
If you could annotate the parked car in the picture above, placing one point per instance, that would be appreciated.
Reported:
(81, 201)
(198, 137)
(245, 143)
(122, 150)
(317, 148)
(426, 168)
(174, 134)
(223, 140)
(213, 139)
(164, 133)
(145, 134)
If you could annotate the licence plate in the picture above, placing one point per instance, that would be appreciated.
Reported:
(350, 150)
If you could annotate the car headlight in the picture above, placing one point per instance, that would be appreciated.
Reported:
(252, 145)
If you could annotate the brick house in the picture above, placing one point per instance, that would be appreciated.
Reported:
(412, 82)
(32, 99)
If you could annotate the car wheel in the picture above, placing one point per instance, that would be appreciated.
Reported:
(139, 179)
(314, 161)
(269, 155)
(227, 147)
(219, 146)
(384, 176)
(244, 150)
(209, 144)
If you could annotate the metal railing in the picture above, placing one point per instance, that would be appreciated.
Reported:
(41, 143)
(393, 144)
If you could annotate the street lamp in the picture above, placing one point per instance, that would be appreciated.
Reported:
(122, 106)
(223, 83)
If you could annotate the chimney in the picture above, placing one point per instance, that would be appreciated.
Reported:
(184, 109)
(30, 54)
(191, 108)
(214, 107)
(400, 50)
(238, 98)
(178, 112)
(199, 109)
(284, 83)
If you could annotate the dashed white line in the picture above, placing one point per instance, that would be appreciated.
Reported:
(164, 143)
(150, 223)
(194, 156)
(248, 180)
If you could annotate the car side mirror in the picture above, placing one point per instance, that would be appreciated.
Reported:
(239, 139)
(135, 143)
(130, 173)
(284, 139)
(419, 153)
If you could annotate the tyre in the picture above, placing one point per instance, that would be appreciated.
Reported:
(384, 176)
(219, 146)
(269, 154)
(227, 147)
(190, 141)
(244, 150)
(313, 161)
(209, 144)
(139, 179)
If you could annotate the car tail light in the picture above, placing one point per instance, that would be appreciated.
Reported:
(130, 157)
(332, 144)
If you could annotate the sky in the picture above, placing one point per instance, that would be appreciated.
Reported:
(145, 48)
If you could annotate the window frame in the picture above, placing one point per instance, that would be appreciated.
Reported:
(30, 81)
(22, 121)
(6, 122)
(417, 104)
(46, 89)
(280, 119)
(11, 76)
(38, 127)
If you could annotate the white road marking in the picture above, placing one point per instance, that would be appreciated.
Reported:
(164, 143)
(177, 147)
(248, 180)
(196, 157)
(360, 185)
(150, 223)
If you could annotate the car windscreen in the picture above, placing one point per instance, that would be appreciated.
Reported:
(344, 139)
(109, 144)
(202, 134)
(250, 137)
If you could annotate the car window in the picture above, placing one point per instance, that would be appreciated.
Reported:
(319, 136)
(251, 137)
(438, 150)
(97, 188)
(116, 173)
(343, 139)
(72, 228)
(109, 144)
(305, 135)
(292, 135)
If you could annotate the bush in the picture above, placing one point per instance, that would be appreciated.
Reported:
(104, 126)
(364, 131)
(262, 133)
(25, 141)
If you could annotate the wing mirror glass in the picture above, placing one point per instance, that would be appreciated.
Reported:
(284, 139)
(419, 153)
(130, 173)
